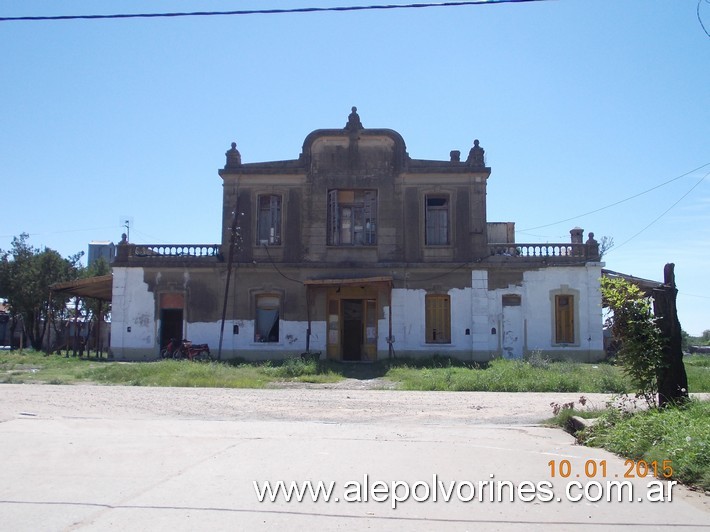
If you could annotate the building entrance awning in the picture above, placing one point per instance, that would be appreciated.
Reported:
(350, 281)
(96, 287)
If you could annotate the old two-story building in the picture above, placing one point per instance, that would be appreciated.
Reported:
(358, 251)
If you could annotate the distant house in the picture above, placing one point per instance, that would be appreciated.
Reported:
(356, 250)
(101, 250)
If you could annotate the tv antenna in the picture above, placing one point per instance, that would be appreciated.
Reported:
(127, 222)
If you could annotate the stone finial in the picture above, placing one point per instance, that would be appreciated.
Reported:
(122, 250)
(476, 156)
(353, 121)
(576, 235)
(234, 158)
(592, 246)
(455, 156)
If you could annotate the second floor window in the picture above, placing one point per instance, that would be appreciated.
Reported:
(269, 220)
(352, 217)
(437, 220)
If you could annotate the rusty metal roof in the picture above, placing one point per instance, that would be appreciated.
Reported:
(97, 287)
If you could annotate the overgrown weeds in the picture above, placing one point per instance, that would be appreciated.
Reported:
(31, 366)
(510, 376)
(678, 435)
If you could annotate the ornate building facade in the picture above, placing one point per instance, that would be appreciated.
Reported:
(358, 251)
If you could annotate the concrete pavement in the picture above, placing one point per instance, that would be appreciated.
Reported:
(138, 469)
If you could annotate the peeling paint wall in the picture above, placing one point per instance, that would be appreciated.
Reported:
(478, 328)
(132, 316)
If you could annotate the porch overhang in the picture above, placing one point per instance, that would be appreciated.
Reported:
(100, 287)
(647, 285)
(349, 281)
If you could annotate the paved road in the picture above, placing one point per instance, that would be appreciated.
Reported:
(108, 458)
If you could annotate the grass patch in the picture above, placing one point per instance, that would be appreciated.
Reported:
(697, 368)
(37, 367)
(510, 376)
(679, 434)
(433, 373)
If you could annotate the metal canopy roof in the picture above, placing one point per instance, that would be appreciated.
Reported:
(645, 284)
(96, 287)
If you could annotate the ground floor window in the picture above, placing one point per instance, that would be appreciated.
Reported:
(266, 327)
(438, 319)
(564, 319)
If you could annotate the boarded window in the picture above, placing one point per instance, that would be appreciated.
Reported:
(172, 300)
(266, 327)
(269, 220)
(352, 217)
(564, 319)
(438, 319)
(511, 300)
(437, 220)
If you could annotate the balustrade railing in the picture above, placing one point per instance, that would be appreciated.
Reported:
(169, 251)
(541, 251)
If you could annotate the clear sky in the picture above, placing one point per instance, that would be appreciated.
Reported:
(579, 104)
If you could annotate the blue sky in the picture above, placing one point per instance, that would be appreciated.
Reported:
(578, 103)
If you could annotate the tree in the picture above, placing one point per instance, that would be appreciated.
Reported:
(650, 337)
(633, 326)
(605, 244)
(672, 378)
(26, 273)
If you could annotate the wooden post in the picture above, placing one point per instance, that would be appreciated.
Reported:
(98, 329)
(672, 380)
(76, 326)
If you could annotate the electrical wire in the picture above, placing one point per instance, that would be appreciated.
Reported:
(680, 292)
(263, 11)
(266, 248)
(617, 202)
(700, 19)
(661, 215)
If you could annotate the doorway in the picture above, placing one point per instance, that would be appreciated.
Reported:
(352, 321)
(170, 325)
(352, 328)
(512, 327)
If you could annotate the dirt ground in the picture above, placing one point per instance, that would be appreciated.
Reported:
(351, 399)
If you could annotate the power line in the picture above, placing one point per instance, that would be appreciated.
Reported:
(680, 292)
(700, 19)
(620, 201)
(262, 11)
(662, 214)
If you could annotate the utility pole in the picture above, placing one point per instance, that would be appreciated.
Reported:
(230, 261)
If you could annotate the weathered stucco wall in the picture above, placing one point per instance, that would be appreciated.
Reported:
(482, 327)
(132, 316)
